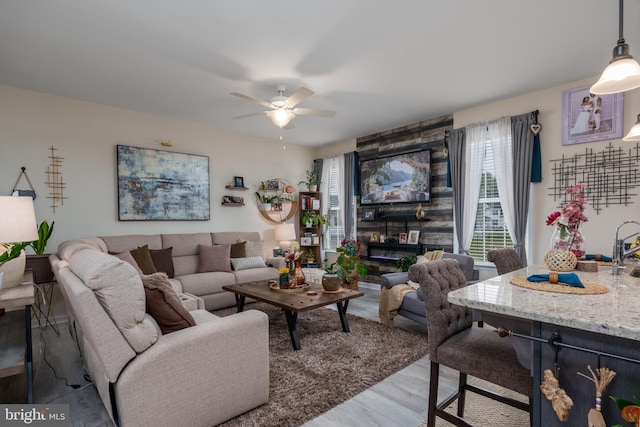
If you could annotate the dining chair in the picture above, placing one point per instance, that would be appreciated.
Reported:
(505, 259)
(479, 352)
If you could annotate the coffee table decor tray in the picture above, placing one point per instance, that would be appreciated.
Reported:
(302, 288)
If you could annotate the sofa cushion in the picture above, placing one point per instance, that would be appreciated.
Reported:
(253, 249)
(230, 237)
(239, 250)
(200, 284)
(255, 274)
(164, 304)
(247, 263)
(119, 290)
(124, 243)
(214, 258)
(127, 257)
(144, 260)
(163, 260)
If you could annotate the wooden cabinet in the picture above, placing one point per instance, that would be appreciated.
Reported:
(311, 237)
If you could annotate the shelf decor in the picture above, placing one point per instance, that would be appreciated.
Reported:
(156, 185)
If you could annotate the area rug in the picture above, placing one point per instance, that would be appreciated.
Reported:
(331, 367)
(481, 411)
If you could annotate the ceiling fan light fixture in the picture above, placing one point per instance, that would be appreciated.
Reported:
(634, 132)
(623, 72)
(281, 116)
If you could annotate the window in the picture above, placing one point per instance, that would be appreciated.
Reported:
(332, 175)
(490, 231)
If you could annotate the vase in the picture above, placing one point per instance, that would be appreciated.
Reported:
(283, 279)
(298, 275)
(568, 238)
(351, 281)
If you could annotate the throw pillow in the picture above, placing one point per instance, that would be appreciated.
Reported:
(247, 263)
(255, 249)
(126, 256)
(214, 258)
(143, 258)
(164, 305)
(239, 250)
(163, 260)
(421, 259)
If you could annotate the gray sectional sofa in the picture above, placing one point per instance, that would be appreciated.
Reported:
(201, 375)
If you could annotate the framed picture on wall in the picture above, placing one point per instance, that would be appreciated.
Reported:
(587, 117)
(374, 237)
(238, 181)
(157, 185)
(403, 238)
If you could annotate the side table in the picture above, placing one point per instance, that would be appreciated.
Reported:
(42, 306)
(13, 359)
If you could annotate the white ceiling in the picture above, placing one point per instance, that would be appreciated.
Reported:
(378, 64)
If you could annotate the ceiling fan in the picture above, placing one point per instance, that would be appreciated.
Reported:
(282, 107)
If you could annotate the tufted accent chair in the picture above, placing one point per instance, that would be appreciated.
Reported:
(471, 351)
(506, 260)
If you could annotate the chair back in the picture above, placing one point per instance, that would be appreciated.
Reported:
(506, 260)
(436, 279)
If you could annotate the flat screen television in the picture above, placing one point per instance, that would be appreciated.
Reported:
(399, 178)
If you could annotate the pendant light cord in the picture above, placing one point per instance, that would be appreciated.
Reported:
(620, 21)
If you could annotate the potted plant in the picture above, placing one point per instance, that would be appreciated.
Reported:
(266, 200)
(39, 263)
(312, 179)
(311, 218)
(406, 261)
(331, 279)
(349, 263)
(309, 256)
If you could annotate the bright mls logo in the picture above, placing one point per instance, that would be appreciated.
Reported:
(37, 415)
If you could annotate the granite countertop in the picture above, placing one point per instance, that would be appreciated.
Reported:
(615, 313)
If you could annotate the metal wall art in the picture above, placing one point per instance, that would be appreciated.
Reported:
(612, 176)
(156, 185)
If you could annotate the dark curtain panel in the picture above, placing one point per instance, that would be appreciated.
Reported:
(536, 164)
(349, 182)
(523, 142)
(456, 143)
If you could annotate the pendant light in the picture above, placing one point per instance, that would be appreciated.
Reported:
(634, 132)
(623, 72)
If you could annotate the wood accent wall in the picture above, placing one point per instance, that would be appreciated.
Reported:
(437, 231)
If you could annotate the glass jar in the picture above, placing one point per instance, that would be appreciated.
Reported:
(568, 238)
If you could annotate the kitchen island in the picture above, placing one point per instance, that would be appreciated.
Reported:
(604, 325)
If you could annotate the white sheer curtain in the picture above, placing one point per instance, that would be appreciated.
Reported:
(499, 134)
(474, 157)
(332, 188)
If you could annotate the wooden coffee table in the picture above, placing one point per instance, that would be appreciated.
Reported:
(294, 303)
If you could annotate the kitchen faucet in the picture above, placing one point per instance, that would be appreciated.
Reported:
(619, 254)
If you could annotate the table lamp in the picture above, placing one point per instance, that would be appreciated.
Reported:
(284, 234)
(17, 225)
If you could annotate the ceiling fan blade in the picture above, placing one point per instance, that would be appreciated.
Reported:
(302, 94)
(250, 115)
(289, 125)
(313, 112)
(252, 99)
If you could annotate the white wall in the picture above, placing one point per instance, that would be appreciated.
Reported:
(86, 136)
(599, 231)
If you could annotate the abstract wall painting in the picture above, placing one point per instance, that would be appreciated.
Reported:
(156, 185)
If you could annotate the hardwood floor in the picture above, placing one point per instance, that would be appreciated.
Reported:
(398, 401)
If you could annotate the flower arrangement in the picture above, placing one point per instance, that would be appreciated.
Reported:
(349, 259)
(568, 220)
(283, 271)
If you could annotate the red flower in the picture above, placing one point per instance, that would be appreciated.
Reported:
(553, 218)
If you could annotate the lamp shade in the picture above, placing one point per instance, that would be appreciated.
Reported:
(285, 232)
(281, 116)
(620, 75)
(634, 132)
(17, 220)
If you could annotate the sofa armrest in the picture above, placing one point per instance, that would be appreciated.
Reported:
(277, 262)
(223, 362)
(389, 280)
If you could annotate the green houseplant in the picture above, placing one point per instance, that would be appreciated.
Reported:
(312, 179)
(313, 218)
(331, 280)
(349, 263)
(406, 261)
(266, 200)
(39, 263)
